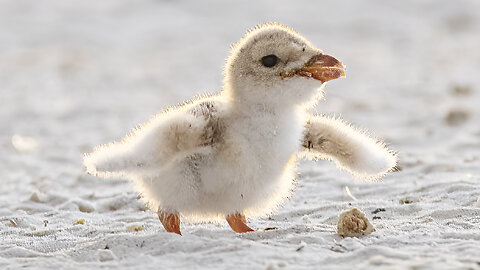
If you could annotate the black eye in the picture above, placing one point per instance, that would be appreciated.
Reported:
(269, 60)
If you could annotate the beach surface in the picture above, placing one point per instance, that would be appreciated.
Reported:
(75, 74)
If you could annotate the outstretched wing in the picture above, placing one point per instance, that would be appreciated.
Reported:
(350, 149)
(171, 135)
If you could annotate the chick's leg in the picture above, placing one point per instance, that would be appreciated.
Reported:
(238, 223)
(170, 221)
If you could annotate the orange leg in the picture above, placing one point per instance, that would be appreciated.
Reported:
(238, 223)
(171, 222)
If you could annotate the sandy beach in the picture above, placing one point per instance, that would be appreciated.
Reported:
(75, 74)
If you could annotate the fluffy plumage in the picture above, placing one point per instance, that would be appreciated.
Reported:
(236, 152)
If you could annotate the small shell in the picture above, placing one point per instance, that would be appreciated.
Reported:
(79, 222)
(135, 228)
(353, 223)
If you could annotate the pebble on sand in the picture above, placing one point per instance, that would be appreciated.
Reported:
(353, 223)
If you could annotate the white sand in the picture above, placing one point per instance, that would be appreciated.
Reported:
(74, 74)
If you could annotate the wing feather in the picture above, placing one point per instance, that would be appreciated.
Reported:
(171, 135)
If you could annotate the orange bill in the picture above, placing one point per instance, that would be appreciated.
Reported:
(322, 67)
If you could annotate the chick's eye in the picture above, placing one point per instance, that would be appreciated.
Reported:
(269, 60)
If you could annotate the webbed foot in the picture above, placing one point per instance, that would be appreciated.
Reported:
(171, 222)
(238, 223)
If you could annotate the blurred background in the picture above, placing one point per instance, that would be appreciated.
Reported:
(74, 74)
